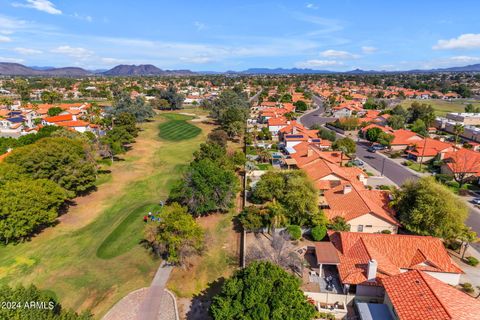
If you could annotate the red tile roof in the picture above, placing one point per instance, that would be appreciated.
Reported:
(417, 295)
(393, 252)
(358, 202)
(64, 117)
(463, 161)
(430, 147)
(405, 137)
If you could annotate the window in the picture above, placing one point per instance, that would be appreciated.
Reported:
(360, 228)
(368, 226)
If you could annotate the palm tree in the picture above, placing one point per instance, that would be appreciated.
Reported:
(264, 155)
(458, 129)
(276, 214)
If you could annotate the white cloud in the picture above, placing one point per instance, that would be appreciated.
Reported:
(311, 6)
(199, 25)
(40, 5)
(338, 54)
(464, 59)
(5, 39)
(80, 53)
(196, 60)
(112, 61)
(27, 51)
(368, 49)
(81, 17)
(14, 60)
(314, 63)
(464, 41)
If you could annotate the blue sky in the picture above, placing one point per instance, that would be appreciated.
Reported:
(236, 35)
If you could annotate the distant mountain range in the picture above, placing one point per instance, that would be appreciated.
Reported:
(16, 69)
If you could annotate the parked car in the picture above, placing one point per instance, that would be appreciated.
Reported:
(358, 163)
(476, 201)
(372, 149)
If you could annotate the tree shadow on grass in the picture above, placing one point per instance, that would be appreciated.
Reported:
(201, 302)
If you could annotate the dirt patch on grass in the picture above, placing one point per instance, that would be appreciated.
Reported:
(218, 261)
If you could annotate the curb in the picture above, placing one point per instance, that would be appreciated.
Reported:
(174, 302)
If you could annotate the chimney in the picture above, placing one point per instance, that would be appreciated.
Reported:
(74, 117)
(294, 131)
(372, 270)
(309, 152)
(347, 189)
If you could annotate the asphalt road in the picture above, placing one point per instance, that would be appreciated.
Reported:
(392, 170)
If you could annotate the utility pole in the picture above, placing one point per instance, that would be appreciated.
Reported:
(383, 166)
(423, 153)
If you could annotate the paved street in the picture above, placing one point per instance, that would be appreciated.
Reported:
(391, 169)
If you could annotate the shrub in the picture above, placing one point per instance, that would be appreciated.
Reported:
(407, 163)
(326, 316)
(453, 244)
(467, 287)
(472, 261)
(386, 231)
(319, 232)
(395, 155)
(294, 231)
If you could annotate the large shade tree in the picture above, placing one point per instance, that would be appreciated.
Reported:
(427, 207)
(62, 160)
(262, 291)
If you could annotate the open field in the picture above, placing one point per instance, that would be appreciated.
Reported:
(177, 128)
(442, 107)
(92, 258)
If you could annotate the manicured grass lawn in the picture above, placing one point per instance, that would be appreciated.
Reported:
(443, 107)
(127, 234)
(64, 258)
(177, 128)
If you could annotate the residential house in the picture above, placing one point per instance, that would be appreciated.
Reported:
(417, 295)
(364, 210)
(427, 149)
(462, 163)
(404, 138)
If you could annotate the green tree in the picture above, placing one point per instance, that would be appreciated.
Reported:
(294, 231)
(372, 134)
(252, 218)
(27, 205)
(25, 295)
(345, 144)
(419, 127)
(219, 137)
(458, 129)
(23, 89)
(177, 235)
(61, 160)
(470, 108)
(286, 98)
(396, 122)
(123, 103)
(51, 97)
(424, 112)
(54, 111)
(300, 105)
(293, 190)
(385, 139)
(262, 291)
(319, 232)
(427, 207)
(338, 224)
(206, 187)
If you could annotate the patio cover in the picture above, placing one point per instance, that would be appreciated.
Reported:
(373, 311)
(326, 253)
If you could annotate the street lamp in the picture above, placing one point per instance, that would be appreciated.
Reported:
(383, 165)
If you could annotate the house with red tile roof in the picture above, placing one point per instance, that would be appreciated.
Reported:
(464, 164)
(404, 138)
(367, 259)
(428, 148)
(417, 295)
(323, 167)
(68, 121)
(364, 210)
